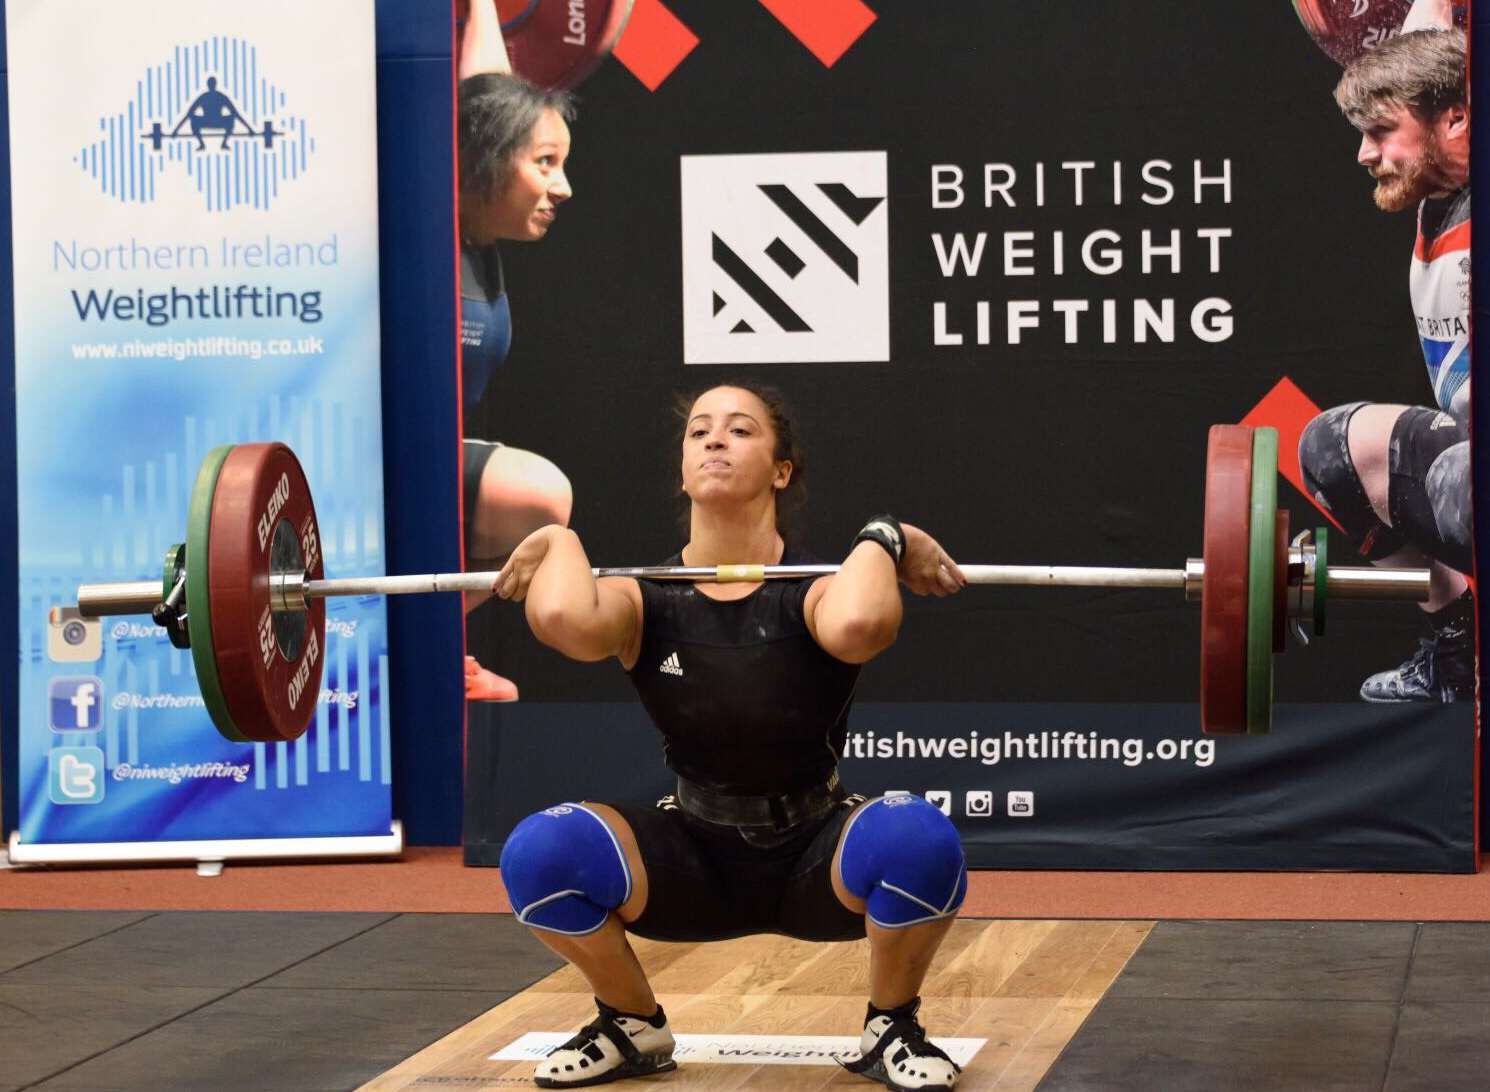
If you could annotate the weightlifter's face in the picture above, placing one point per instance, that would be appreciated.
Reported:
(1402, 152)
(525, 207)
(729, 448)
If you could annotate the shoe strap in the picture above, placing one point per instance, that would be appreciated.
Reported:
(604, 1024)
(910, 1030)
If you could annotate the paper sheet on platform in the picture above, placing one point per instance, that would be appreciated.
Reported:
(741, 1049)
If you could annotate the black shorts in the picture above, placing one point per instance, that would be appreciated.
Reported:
(705, 882)
(1419, 437)
(1438, 525)
(474, 457)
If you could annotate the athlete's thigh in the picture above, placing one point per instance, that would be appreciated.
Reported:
(1369, 440)
(518, 492)
(690, 896)
(815, 905)
(634, 859)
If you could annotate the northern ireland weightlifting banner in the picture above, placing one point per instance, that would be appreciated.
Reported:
(196, 265)
(1010, 262)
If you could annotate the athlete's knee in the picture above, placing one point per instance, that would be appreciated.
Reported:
(1449, 494)
(1333, 480)
(903, 857)
(565, 870)
(527, 487)
(1430, 488)
(1324, 451)
(551, 492)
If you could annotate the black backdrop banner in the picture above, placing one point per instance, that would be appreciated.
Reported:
(1068, 237)
(1346, 788)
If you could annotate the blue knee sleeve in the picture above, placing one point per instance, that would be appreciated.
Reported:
(564, 870)
(902, 856)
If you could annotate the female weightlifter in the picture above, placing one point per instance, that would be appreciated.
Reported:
(513, 140)
(750, 685)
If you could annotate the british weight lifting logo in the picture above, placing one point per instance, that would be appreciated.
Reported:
(786, 258)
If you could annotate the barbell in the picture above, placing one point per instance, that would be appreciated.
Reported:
(157, 135)
(246, 591)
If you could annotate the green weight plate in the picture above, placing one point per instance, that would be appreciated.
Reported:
(1262, 558)
(175, 558)
(198, 597)
(1321, 578)
(1280, 584)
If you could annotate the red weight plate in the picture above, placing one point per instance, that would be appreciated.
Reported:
(1345, 29)
(557, 43)
(510, 13)
(1280, 584)
(263, 522)
(1223, 597)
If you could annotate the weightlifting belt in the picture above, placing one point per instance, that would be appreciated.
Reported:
(777, 812)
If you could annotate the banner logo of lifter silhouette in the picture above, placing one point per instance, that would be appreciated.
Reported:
(211, 113)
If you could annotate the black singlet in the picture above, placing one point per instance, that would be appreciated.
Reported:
(746, 700)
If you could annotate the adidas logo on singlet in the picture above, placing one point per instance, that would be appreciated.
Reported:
(670, 666)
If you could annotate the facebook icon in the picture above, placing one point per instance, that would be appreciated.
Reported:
(75, 703)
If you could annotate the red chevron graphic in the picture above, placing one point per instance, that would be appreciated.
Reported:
(826, 27)
(656, 40)
(654, 43)
(1287, 409)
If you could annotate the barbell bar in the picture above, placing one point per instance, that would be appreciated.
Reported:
(267, 134)
(246, 592)
(290, 591)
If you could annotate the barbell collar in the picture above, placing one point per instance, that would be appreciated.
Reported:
(287, 591)
(1194, 578)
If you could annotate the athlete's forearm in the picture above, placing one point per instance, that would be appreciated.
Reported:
(482, 48)
(1429, 15)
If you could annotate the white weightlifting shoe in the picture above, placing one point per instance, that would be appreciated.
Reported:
(895, 1051)
(609, 1047)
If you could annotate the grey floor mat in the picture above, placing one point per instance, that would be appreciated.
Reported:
(1311, 1006)
(240, 1001)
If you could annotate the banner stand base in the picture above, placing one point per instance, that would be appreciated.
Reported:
(208, 855)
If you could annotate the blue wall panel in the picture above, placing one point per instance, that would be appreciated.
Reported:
(421, 425)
